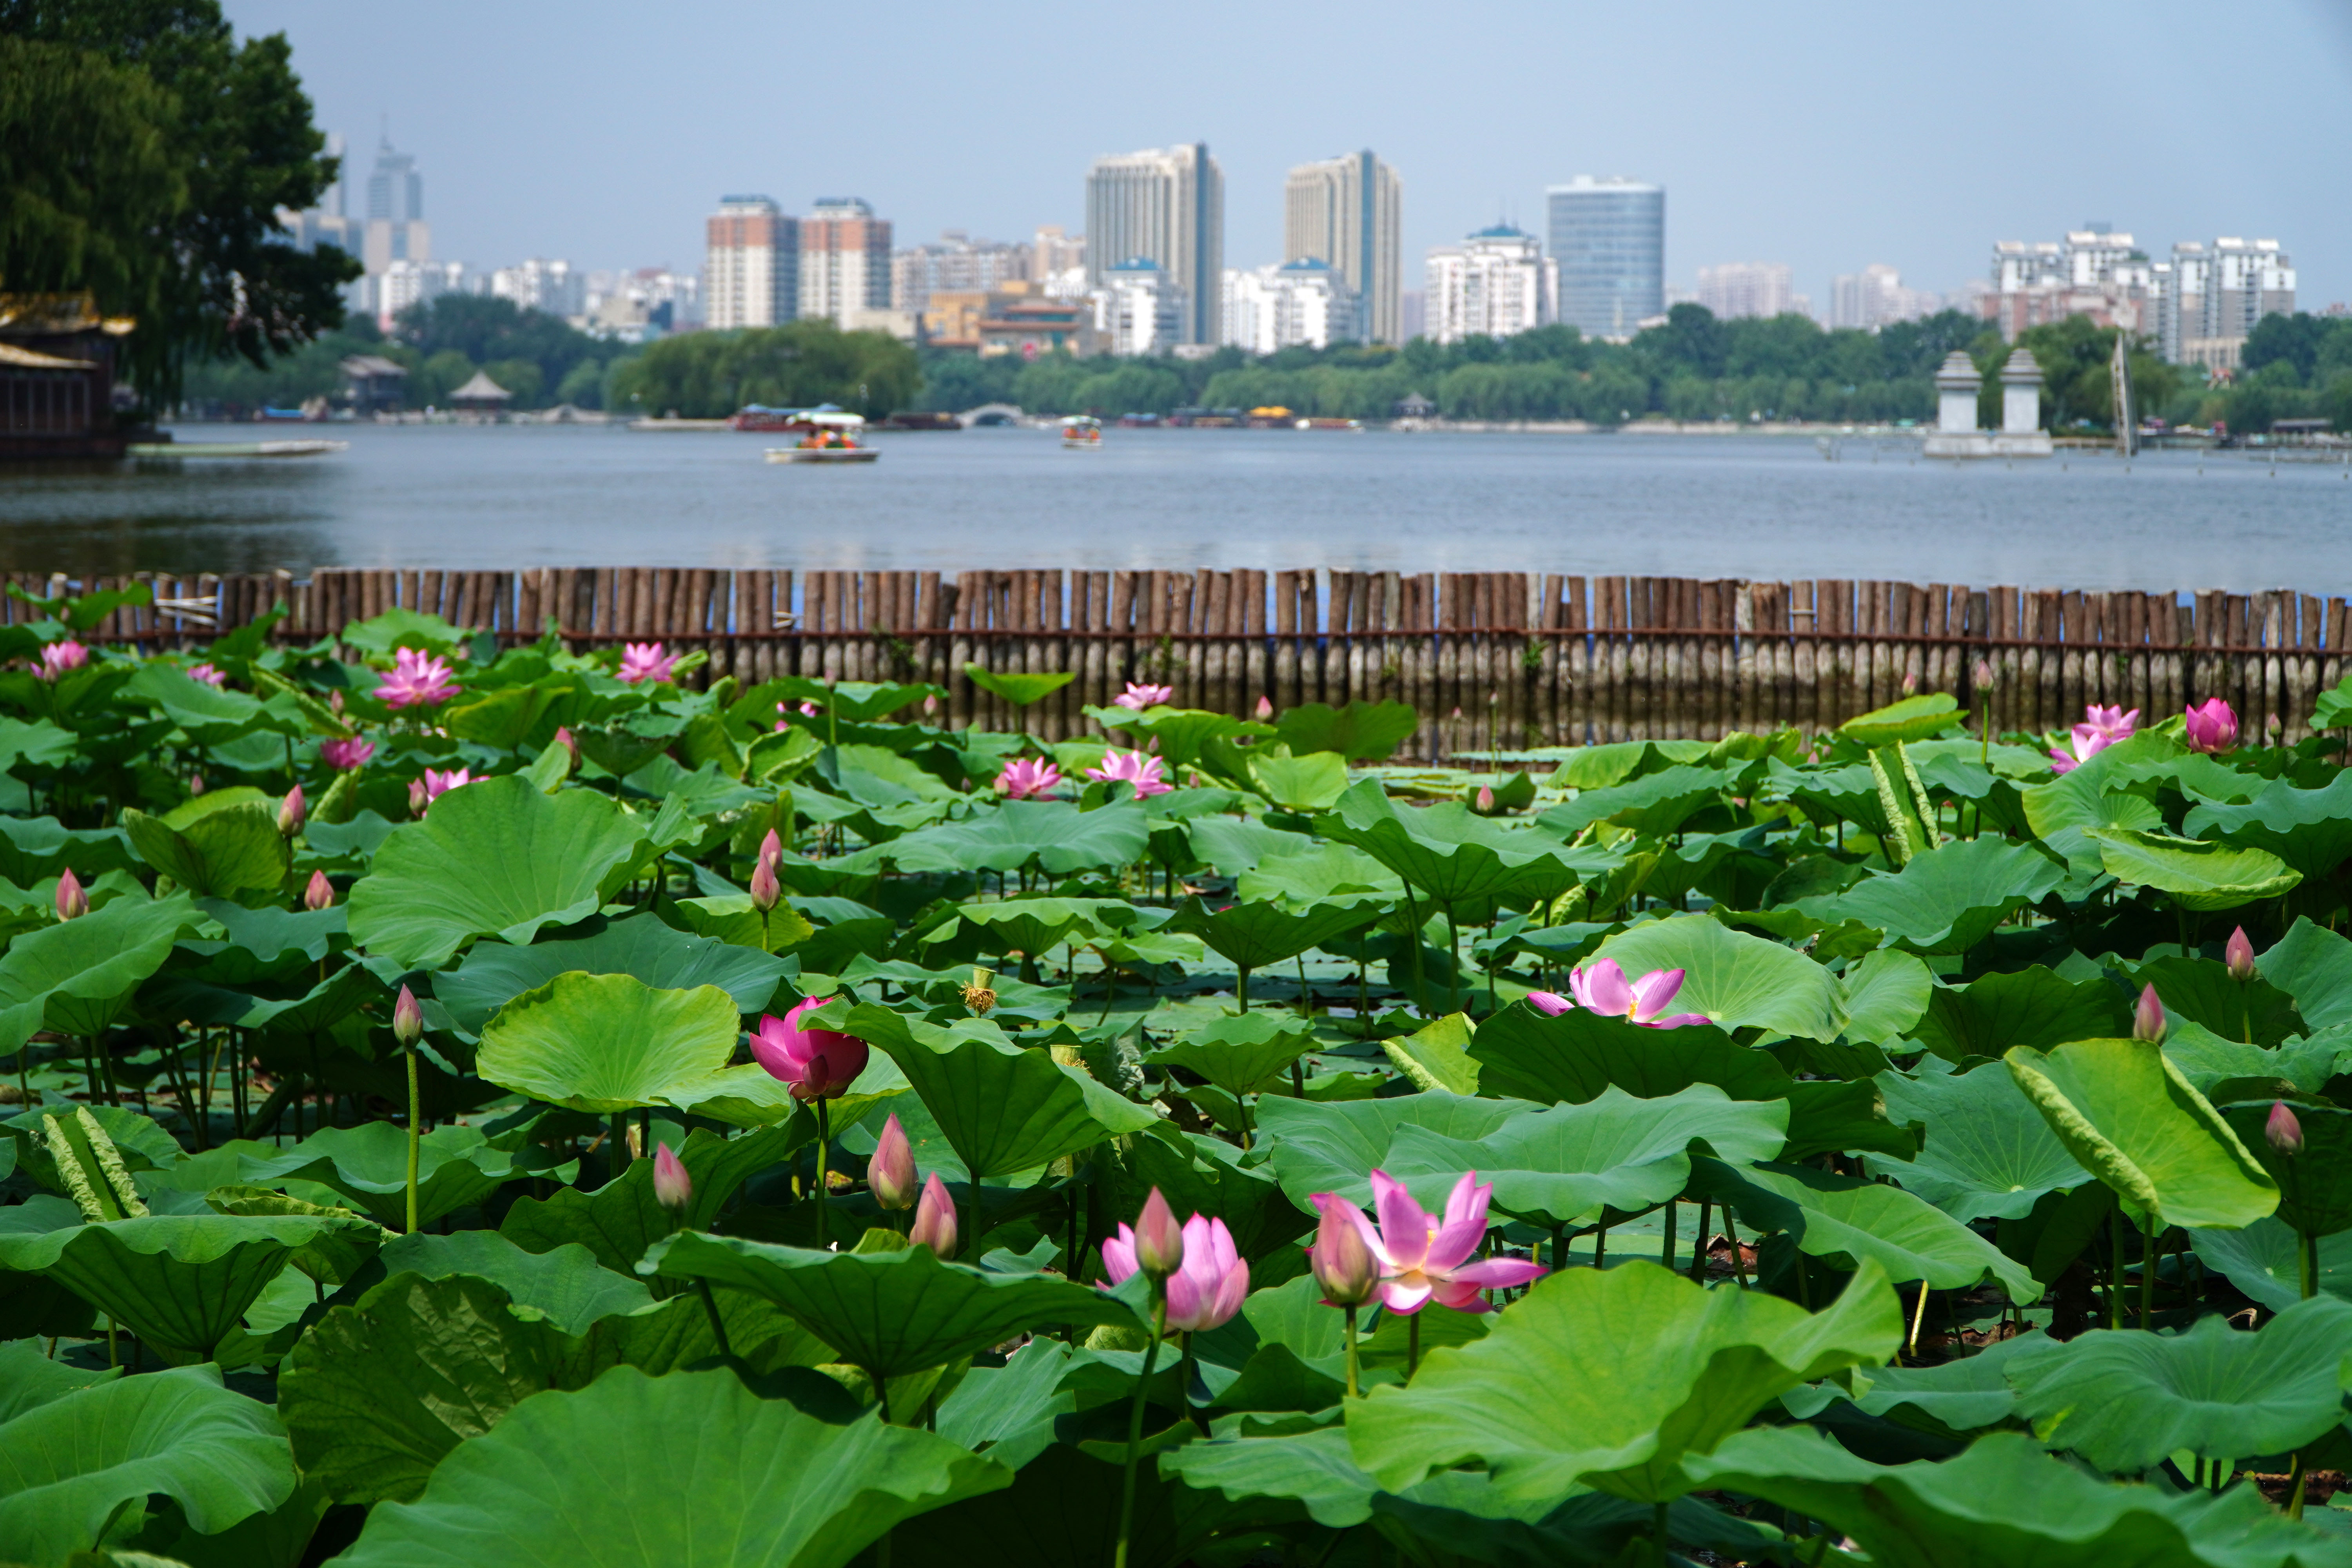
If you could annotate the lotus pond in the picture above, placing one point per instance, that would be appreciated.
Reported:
(470, 1106)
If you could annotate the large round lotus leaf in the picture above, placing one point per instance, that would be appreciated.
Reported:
(2314, 965)
(1051, 834)
(565, 1284)
(496, 858)
(1608, 1378)
(2309, 829)
(1447, 851)
(602, 1043)
(2127, 1114)
(1912, 719)
(67, 1468)
(2126, 1401)
(1735, 979)
(1244, 1055)
(2030, 1007)
(1948, 899)
(368, 1165)
(1307, 783)
(1843, 1218)
(2314, 1183)
(181, 1282)
(494, 973)
(2264, 1260)
(78, 975)
(1333, 1146)
(1016, 688)
(1033, 925)
(691, 1470)
(2198, 875)
(890, 1312)
(1254, 934)
(218, 845)
(1986, 1154)
(1655, 805)
(2004, 1502)
(1576, 1055)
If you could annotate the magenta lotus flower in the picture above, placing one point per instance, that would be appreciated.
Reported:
(2087, 741)
(1145, 773)
(291, 812)
(1603, 988)
(2283, 1130)
(766, 891)
(1264, 708)
(1424, 1256)
(72, 902)
(57, 657)
(1025, 778)
(407, 1017)
(890, 1173)
(1550, 1004)
(1207, 1288)
(2115, 723)
(208, 674)
(673, 1187)
(2210, 727)
(2147, 1016)
(346, 755)
(2238, 952)
(935, 1219)
(1139, 697)
(319, 894)
(646, 661)
(417, 680)
(814, 1064)
(431, 784)
(1341, 1258)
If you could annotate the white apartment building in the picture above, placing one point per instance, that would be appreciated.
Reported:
(404, 283)
(844, 260)
(956, 264)
(1876, 297)
(539, 284)
(2200, 305)
(2208, 298)
(752, 267)
(1053, 251)
(1348, 213)
(1745, 289)
(1495, 283)
(1140, 309)
(1300, 304)
(1166, 207)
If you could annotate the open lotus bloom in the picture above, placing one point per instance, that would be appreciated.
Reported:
(2210, 727)
(1145, 773)
(646, 661)
(1207, 1288)
(416, 681)
(2115, 723)
(57, 657)
(1140, 697)
(437, 784)
(345, 755)
(1026, 778)
(1424, 1257)
(814, 1064)
(1601, 987)
(208, 674)
(2087, 741)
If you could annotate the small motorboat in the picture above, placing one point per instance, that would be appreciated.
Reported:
(827, 436)
(1081, 432)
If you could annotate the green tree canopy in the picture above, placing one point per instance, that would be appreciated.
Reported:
(707, 375)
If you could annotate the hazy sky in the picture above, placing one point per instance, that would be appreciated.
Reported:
(1824, 135)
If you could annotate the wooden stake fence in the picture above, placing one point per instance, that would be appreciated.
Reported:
(1491, 660)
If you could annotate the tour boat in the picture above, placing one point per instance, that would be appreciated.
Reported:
(1081, 432)
(827, 436)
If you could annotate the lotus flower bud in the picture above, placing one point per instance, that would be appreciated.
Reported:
(563, 738)
(673, 1188)
(1486, 800)
(1341, 1261)
(407, 1018)
(931, 705)
(319, 894)
(1910, 683)
(766, 892)
(772, 849)
(2147, 1017)
(1264, 708)
(1158, 1239)
(890, 1173)
(290, 812)
(196, 784)
(935, 1219)
(335, 702)
(418, 797)
(2285, 1132)
(1984, 672)
(1550, 1004)
(72, 902)
(2240, 955)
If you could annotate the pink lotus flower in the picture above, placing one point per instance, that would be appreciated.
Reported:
(935, 1220)
(1604, 989)
(1140, 697)
(1207, 1288)
(72, 902)
(673, 1187)
(2238, 952)
(346, 755)
(417, 680)
(2115, 723)
(1025, 778)
(57, 657)
(208, 674)
(1550, 1004)
(2210, 727)
(890, 1172)
(1264, 708)
(291, 811)
(816, 1064)
(646, 661)
(424, 790)
(2147, 1016)
(1424, 1257)
(2087, 742)
(2283, 1130)
(1342, 1260)
(1146, 773)
(319, 894)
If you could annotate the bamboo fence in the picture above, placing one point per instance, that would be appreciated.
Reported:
(1492, 660)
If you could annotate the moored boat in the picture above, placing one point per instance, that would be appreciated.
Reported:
(827, 436)
(1083, 431)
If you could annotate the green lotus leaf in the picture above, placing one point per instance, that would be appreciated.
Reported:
(77, 976)
(1887, 995)
(1361, 731)
(1952, 1397)
(232, 847)
(1309, 783)
(1655, 805)
(565, 1284)
(1236, 846)
(858, 701)
(368, 1165)
(1449, 852)
(2130, 1118)
(1948, 899)
(29, 1378)
(1568, 1164)
(1062, 1512)
(626, 1472)
(1035, 925)
(1737, 981)
(2264, 1260)
(1314, 1469)
(74, 1463)
(1019, 689)
(1003, 1108)
(889, 1312)
(2310, 963)
(2314, 1183)
(1576, 1055)
(2128, 1401)
(2198, 874)
(501, 720)
(2202, 991)
(602, 1043)
(494, 973)
(619, 1220)
(1303, 876)
(1201, 1174)
(1912, 719)
(2088, 796)
(33, 848)
(2309, 829)
(494, 858)
(2030, 1007)
(1325, 1147)
(1181, 735)
(1843, 1218)
(2004, 1502)
(181, 1282)
(1254, 934)
(1612, 1379)
(1244, 1055)
(1052, 835)
(1986, 1152)
(1437, 1055)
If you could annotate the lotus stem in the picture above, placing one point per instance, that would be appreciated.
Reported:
(824, 1138)
(1918, 1317)
(616, 1146)
(2115, 1267)
(1660, 1535)
(2147, 1274)
(1241, 985)
(1135, 1415)
(414, 1098)
(1353, 1391)
(1185, 1385)
(1666, 1250)
(1411, 1346)
(1699, 1245)
(2307, 1255)
(2295, 1487)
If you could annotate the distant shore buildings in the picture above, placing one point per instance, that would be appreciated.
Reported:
(2199, 304)
(1348, 214)
(1608, 237)
(1497, 282)
(1164, 207)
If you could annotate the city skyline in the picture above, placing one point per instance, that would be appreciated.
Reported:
(1850, 164)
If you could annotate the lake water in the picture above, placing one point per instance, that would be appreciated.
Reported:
(515, 496)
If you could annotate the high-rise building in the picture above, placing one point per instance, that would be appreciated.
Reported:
(1760, 289)
(395, 228)
(1165, 206)
(1140, 310)
(1348, 213)
(1054, 252)
(1874, 297)
(957, 264)
(555, 287)
(750, 273)
(844, 260)
(2096, 272)
(1609, 237)
(1300, 304)
(1494, 284)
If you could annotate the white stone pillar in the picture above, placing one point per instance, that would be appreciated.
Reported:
(1956, 385)
(2020, 395)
